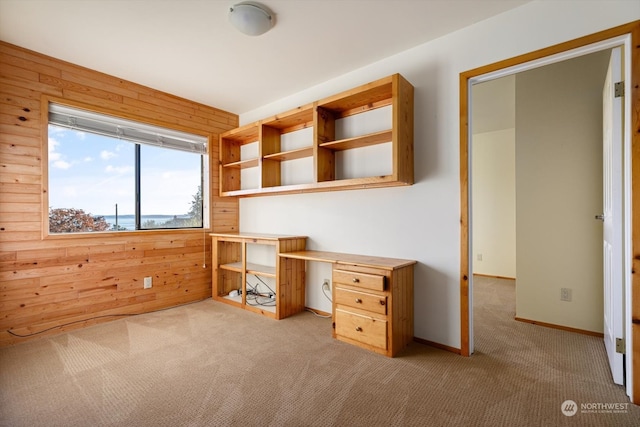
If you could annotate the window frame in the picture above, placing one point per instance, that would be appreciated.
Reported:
(206, 178)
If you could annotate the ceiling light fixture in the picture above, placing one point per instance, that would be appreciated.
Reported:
(251, 18)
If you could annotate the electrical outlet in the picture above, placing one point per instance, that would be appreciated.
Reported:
(326, 284)
(565, 294)
(148, 282)
(479, 257)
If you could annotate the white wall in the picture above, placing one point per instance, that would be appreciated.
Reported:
(421, 222)
(494, 203)
(493, 219)
(559, 191)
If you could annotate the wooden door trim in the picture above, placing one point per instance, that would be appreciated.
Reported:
(632, 28)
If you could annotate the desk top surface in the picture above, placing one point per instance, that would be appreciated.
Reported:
(351, 259)
(261, 236)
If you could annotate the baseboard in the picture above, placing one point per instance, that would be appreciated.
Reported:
(564, 328)
(437, 345)
(492, 276)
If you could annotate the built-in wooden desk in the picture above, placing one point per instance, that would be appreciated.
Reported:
(372, 299)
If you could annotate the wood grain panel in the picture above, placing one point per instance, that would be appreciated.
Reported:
(50, 284)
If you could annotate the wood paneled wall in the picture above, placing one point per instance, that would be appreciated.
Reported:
(49, 284)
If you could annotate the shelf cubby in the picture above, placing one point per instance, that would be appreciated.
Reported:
(232, 161)
(359, 141)
(233, 260)
(261, 270)
(274, 130)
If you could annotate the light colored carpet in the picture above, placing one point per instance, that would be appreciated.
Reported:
(208, 364)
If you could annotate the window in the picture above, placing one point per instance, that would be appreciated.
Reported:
(111, 174)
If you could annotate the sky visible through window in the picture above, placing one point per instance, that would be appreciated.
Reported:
(94, 173)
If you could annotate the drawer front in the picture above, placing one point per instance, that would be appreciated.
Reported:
(364, 329)
(374, 303)
(362, 280)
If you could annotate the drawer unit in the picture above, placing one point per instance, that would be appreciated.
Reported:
(364, 301)
(372, 299)
(373, 305)
(361, 280)
(364, 329)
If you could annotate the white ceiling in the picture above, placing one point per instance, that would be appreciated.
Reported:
(188, 48)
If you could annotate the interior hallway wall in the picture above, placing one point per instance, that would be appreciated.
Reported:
(494, 203)
(493, 188)
(559, 191)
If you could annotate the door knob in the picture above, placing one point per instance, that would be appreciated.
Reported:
(600, 217)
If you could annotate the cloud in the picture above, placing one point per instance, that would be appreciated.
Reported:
(53, 144)
(55, 158)
(57, 130)
(61, 164)
(118, 169)
(106, 155)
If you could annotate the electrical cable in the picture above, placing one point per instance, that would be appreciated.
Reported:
(328, 316)
(324, 292)
(256, 294)
(204, 244)
(253, 288)
(268, 303)
(264, 283)
(204, 236)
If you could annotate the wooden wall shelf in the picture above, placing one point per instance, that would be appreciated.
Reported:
(321, 116)
(359, 141)
(299, 153)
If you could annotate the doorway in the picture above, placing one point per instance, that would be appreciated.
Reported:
(536, 186)
(579, 47)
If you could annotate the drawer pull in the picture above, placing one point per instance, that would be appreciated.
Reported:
(356, 280)
(358, 301)
(358, 329)
(383, 302)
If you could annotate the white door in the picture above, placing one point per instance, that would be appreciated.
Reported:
(612, 214)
